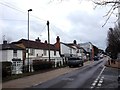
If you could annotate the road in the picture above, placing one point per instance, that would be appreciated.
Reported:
(94, 75)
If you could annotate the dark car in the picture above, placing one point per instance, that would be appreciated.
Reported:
(75, 61)
(96, 58)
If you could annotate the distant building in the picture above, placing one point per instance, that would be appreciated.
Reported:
(69, 49)
(88, 48)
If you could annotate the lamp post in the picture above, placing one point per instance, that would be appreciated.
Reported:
(28, 42)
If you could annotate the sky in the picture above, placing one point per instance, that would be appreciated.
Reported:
(70, 20)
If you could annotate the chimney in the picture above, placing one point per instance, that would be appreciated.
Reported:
(4, 42)
(75, 42)
(38, 40)
(57, 39)
(46, 41)
(57, 44)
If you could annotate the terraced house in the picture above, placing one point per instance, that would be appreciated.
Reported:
(69, 49)
(38, 51)
(17, 53)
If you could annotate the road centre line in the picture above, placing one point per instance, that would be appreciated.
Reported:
(98, 78)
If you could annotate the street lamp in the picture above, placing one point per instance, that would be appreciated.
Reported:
(28, 41)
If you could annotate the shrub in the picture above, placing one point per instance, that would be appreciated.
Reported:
(57, 64)
(25, 69)
(40, 65)
(6, 69)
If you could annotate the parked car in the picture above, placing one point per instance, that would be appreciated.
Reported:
(96, 58)
(75, 61)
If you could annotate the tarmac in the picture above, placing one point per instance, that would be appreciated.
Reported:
(36, 79)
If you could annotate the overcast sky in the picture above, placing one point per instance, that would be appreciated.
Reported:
(69, 19)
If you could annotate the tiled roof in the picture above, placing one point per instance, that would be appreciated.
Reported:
(10, 47)
(76, 45)
(35, 44)
(68, 45)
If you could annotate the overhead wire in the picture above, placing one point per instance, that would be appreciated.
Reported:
(22, 11)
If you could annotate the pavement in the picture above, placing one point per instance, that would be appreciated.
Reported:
(33, 80)
(115, 64)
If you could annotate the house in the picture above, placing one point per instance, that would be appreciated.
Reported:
(80, 52)
(12, 53)
(88, 48)
(69, 49)
(38, 51)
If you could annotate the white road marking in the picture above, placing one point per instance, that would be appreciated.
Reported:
(99, 84)
(93, 84)
(101, 71)
(92, 87)
(96, 80)
(101, 81)
(102, 77)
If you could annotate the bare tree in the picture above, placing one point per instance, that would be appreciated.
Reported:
(113, 41)
(115, 4)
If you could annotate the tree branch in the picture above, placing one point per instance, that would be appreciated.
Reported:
(107, 2)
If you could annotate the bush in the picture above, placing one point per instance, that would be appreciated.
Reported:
(6, 69)
(40, 65)
(25, 69)
(58, 64)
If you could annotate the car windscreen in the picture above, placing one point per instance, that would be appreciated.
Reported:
(73, 58)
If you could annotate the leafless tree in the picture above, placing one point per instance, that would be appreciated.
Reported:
(115, 4)
(113, 41)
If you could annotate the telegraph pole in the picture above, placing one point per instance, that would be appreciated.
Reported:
(48, 40)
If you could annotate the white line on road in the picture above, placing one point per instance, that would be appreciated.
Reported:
(101, 72)
(98, 78)
(99, 84)
(101, 81)
(91, 87)
(93, 84)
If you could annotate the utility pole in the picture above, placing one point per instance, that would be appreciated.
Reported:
(48, 40)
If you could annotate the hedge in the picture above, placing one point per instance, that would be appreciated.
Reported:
(6, 69)
(40, 65)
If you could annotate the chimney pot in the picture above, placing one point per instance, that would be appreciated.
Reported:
(57, 39)
(46, 41)
(75, 42)
(38, 40)
(4, 42)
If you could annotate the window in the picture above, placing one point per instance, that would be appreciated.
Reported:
(32, 51)
(77, 51)
(54, 53)
(70, 50)
(14, 53)
(45, 52)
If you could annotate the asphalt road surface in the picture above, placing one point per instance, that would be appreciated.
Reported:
(94, 75)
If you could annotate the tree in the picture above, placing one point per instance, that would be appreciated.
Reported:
(115, 4)
(113, 41)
